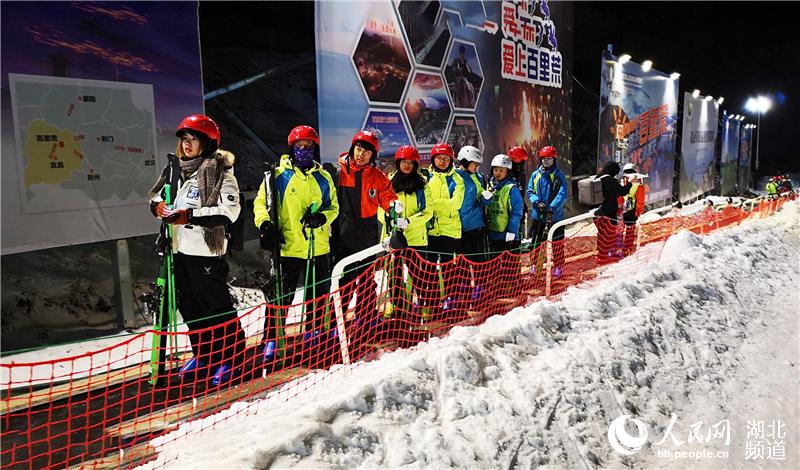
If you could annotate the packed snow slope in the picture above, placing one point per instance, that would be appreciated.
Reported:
(705, 334)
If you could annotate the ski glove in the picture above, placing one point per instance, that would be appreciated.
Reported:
(176, 216)
(510, 237)
(486, 194)
(402, 224)
(398, 206)
(162, 210)
(270, 236)
(315, 220)
(541, 206)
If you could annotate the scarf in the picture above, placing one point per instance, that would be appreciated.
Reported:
(210, 172)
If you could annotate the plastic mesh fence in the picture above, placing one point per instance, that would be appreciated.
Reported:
(99, 409)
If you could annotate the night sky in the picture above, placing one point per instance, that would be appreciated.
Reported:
(729, 49)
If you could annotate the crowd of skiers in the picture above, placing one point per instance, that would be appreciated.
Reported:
(778, 185)
(622, 200)
(445, 209)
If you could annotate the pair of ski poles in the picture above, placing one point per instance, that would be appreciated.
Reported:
(165, 285)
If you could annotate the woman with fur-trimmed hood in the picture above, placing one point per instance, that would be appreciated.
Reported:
(205, 198)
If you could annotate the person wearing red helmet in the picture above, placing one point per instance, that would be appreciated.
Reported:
(547, 193)
(362, 189)
(447, 196)
(307, 204)
(205, 198)
(519, 160)
(414, 196)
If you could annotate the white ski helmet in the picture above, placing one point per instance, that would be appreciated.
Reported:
(502, 160)
(629, 168)
(470, 154)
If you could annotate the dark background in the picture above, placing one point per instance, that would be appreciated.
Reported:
(729, 49)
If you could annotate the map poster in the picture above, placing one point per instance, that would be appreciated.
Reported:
(90, 97)
(82, 143)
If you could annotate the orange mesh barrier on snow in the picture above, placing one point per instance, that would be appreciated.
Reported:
(99, 408)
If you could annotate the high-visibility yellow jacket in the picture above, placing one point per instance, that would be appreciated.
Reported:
(297, 190)
(447, 195)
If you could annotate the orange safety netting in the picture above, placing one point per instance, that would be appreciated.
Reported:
(99, 408)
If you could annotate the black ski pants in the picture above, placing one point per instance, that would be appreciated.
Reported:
(206, 306)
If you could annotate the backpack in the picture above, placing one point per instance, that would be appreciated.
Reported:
(590, 190)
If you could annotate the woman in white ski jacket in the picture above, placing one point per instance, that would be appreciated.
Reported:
(205, 198)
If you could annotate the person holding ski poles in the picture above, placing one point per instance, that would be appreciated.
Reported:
(632, 206)
(414, 195)
(519, 158)
(306, 205)
(362, 188)
(505, 213)
(476, 198)
(547, 194)
(605, 218)
(205, 198)
(444, 233)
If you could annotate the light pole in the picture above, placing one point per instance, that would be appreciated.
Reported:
(759, 105)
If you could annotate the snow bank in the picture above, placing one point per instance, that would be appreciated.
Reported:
(709, 336)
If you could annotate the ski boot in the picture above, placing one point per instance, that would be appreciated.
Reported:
(192, 369)
(223, 374)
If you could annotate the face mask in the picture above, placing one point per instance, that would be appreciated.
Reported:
(548, 162)
(304, 156)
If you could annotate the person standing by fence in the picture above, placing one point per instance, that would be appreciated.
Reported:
(547, 194)
(205, 198)
(632, 206)
(306, 206)
(606, 215)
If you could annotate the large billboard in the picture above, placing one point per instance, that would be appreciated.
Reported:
(698, 137)
(489, 74)
(729, 155)
(91, 95)
(638, 119)
(745, 152)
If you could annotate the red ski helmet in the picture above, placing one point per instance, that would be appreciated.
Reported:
(442, 149)
(201, 124)
(303, 133)
(548, 152)
(407, 152)
(368, 137)
(518, 154)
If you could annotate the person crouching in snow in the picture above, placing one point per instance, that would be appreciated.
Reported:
(205, 197)
(505, 213)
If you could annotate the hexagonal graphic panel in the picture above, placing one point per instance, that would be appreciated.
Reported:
(464, 131)
(390, 128)
(427, 108)
(380, 57)
(464, 75)
(426, 33)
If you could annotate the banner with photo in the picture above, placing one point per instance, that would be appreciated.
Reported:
(698, 137)
(745, 152)
(638, 119)
(488, 74)
(91, 96)
(729, 154)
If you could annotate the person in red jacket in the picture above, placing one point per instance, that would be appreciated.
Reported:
(362, 188)
(631, 206)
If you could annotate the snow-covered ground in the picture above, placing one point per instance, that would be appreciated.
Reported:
(695, 345)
